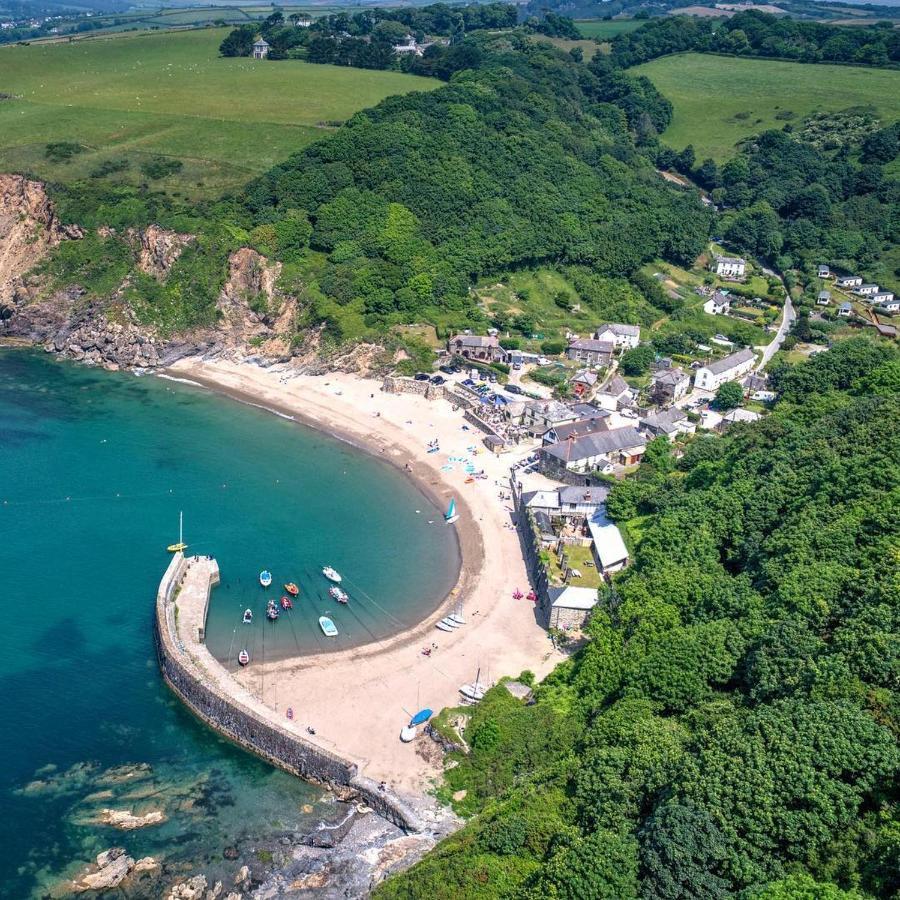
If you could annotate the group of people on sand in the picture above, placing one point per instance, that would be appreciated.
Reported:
(427, 651)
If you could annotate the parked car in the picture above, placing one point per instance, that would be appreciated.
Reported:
(438, 379)
(492, 378)
(448, 370)
(421, 376)
(514, 389)
(469, 383)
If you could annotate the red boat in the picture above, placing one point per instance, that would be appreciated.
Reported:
(287, 603)
(292, 588)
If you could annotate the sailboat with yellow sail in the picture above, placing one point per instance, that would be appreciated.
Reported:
(181, 545)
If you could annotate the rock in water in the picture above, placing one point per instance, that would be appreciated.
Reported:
(113, 867)
(192, 889)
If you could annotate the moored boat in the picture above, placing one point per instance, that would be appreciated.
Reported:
(287, 603)
(451, 515)
(339, 595)
(243, 657)
(265, 578)
(248, 616)
(292, 588)
(272, 611)
(181, 546)
(332, 574)
(328, 627)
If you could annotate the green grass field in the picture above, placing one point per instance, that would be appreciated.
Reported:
(132, 97)
(720, 100)
(595, 28)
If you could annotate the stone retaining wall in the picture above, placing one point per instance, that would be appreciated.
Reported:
(395, 384)
(264, 736)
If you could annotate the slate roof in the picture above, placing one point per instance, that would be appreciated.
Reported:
(597, 444)
(619, 328)
(730, 362)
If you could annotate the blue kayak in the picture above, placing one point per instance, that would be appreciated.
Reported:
(423, 715)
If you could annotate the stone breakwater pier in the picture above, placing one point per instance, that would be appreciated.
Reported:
(210, 691)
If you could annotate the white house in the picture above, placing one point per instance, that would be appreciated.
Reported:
(610, 551)
(624, 336)
(892, 305)
(710, 377)
(718, 304)
(824, 272)
(866, 290)
(670, 422)
(669, 385)
(845, 309)
(260, 49)
(882, 298)
(619, 446)
(848, 281)
(730, 266)
(824, 298)
(614, 394)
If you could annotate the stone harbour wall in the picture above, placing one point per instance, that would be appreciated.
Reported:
(199, 688)
(395, 384)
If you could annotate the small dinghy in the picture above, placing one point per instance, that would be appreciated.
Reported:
(327, 626)
(339, 595)
(409, 733)
(332, 574)
(272, 611)
(248, 616)
(292, 588)
(265, 578)
(443, 626)
(290, 712)
(243, 657)
(422, 716)
(457, 618)
(287, 603)
(448, 620)
(451, 515)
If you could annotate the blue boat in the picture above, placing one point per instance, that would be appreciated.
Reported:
(423, 715)
(327, 626)
(265, 578)
(451, 515)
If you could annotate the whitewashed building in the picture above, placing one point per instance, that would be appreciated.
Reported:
(623, 336)
(730, 266)
(732, 367)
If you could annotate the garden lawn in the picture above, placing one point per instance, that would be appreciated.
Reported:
(134, 96)
(721, 100)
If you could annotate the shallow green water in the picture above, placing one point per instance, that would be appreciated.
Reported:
(94, 468)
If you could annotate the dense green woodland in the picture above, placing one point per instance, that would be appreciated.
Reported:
(731, 727)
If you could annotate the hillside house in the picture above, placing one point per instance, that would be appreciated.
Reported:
(866, 290)
(260, 49)
(824, 298)
(845, 310)
(615, 394)
(729, 266)
(584, 383)
(670, 422)
(848, 282)
(477, 347)
(578, 428)
(619, 446)
(570, 606)
(890, 306)
(591, 352)
(719, 304)
(304, 22)
(669, 386)
(570, 502)
(738, 415)
(625, 337)
(732, 367)
(882, 297)
(823, 272)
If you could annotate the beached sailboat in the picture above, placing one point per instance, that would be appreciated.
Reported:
(457, 618)
(448, 620)
(451, 515)
(248, 616)
(443, 626)
(243, 657)
(328, 627)
(474, 691)
(181, 546)
(337, 594)
(332, 574)
(265, 578)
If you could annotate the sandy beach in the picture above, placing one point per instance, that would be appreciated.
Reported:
(358, 700)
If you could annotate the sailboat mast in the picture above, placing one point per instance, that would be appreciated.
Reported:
(181, 527)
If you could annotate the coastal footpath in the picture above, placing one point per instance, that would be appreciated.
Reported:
(208, 689)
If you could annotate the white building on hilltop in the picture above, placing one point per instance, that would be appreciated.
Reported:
(730, 266)
(260, 49)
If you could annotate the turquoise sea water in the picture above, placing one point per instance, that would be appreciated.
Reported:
(94, 468)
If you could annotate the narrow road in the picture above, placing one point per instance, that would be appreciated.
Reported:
(787, 319)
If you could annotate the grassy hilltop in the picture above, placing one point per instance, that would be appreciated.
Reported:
(719, 100)
(130, 98)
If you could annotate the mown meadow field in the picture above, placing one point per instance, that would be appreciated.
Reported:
(721, 100)
(132, 98)
(596, 28)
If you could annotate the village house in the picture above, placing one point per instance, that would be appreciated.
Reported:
(890, 306)
(866, 290)
(477, 347)
(619, 446)
(539, 416)
(304, 22)
(719, 304)
(615, 394)
(737, 415)
(824, 272)
(824, 298)
(845, 309)
(570, 502)
(570, 606)
(260, 49)
(623, 336)
(610, 552)
(584, 382)
(882, 298)
(669, 386)
(578, 428)
(594, 353)
(756, 387)
(710, 377)
(670, 422)
(848, 281)
(730, 266)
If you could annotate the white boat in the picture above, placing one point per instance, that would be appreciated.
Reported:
(474, 691)
(408, 733)
(441, 626)
(448, 620)
(332, 574)
(457, 618)
(327, 626)
(451, 515)
(248, 616)
(243, 657)
(265, 578)
(337, 594)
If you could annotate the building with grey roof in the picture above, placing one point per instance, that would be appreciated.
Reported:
(730, 368)
(619, 446)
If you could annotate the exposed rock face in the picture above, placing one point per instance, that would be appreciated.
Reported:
(28, 229)
(192, 889)
(113, 867)
(158, 249)
(90, 337)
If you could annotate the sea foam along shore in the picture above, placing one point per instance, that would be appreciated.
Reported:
(358, 699)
